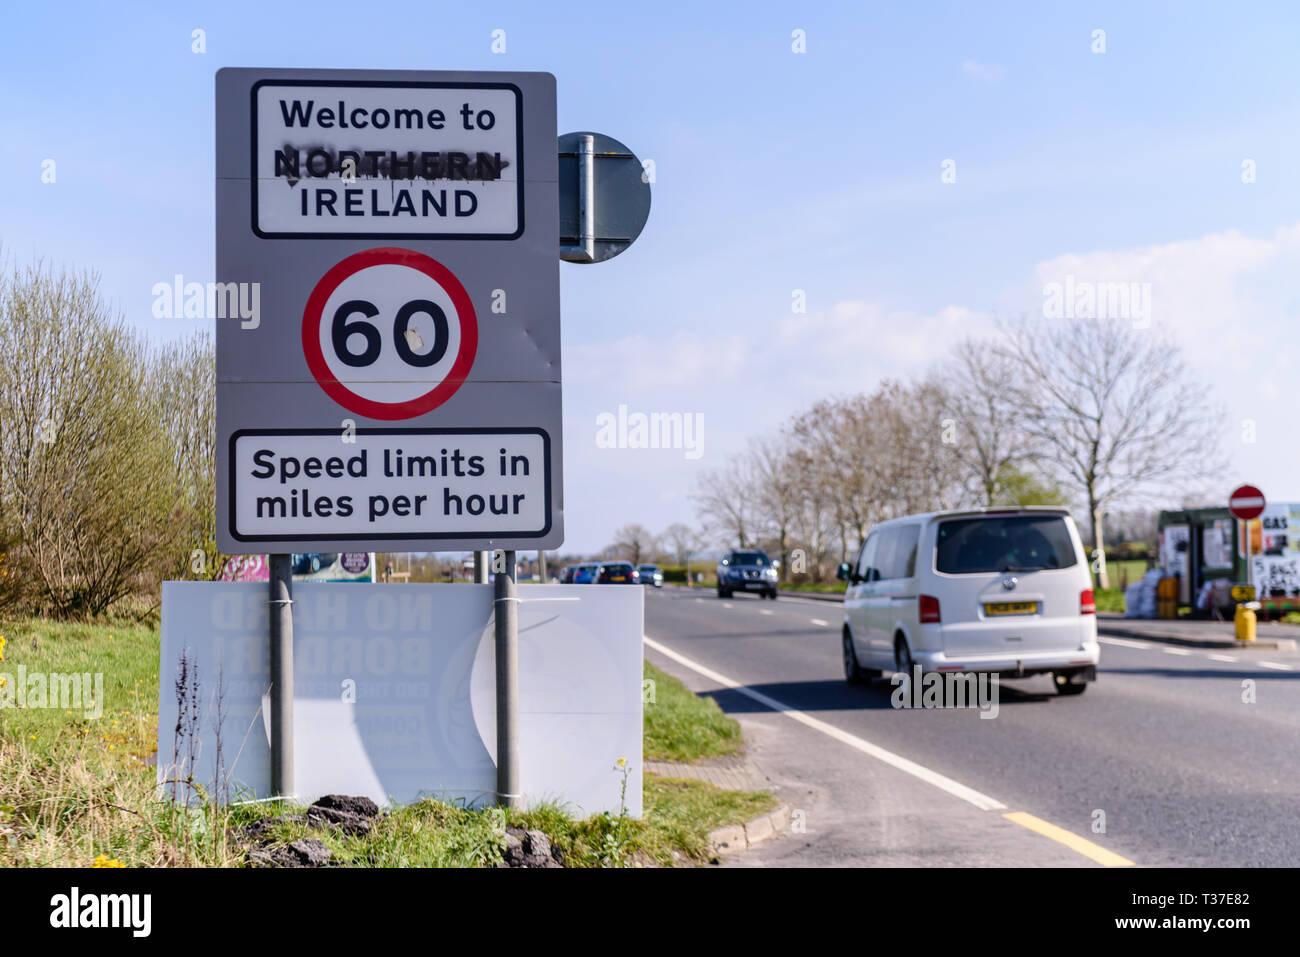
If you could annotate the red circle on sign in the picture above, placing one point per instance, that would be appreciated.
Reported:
(1251, 502)
(371, 408)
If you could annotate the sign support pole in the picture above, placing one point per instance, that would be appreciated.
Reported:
(481, 568)
(1246, 526)
(506, 616)
(281, 622)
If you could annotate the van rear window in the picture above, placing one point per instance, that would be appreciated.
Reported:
(969, 546)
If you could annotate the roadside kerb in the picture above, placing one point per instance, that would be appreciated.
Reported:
(738, 837)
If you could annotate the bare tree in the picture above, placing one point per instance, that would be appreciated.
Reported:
(183, 376)
(1116, 409)
(724, 498)
(634, 541)
(987, 432)
(87, 486)
(682, 540)
(778, 490)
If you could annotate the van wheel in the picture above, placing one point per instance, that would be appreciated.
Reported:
(1065, 685)
(723, 593)
(903, 657)
(854, 673)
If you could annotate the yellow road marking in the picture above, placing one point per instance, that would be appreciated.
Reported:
(1075, 843)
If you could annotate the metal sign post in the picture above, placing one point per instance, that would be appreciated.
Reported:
(280, 613)
(505, 608)
(1246, 503)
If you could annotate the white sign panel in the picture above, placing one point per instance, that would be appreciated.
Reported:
(398, 231)
(1275, 575)
(394, 159)
(393, 483)
(394, 694)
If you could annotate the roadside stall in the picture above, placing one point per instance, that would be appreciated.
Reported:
(1204, 549)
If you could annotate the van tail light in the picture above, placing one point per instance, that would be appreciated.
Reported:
(1087, 603)
(929, 608)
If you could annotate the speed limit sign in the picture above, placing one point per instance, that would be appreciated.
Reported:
(391, 379)
(389, 333)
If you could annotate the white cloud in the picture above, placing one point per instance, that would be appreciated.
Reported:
(982, 71)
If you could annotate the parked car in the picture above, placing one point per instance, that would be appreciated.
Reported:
(651, 575)
(746, 570)
(617, 573)
(585, 573)
(997, 590)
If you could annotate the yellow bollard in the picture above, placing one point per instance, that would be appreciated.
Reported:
(1244, 621)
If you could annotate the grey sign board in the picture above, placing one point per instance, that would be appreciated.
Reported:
(398, 387)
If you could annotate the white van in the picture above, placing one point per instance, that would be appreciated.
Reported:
(1003, 590)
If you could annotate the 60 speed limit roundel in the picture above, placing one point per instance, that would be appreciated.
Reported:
(389, 333)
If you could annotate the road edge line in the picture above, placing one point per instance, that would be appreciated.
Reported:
(1080, 845)
(934, 778)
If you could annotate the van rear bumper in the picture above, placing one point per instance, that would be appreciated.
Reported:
(1081, 662)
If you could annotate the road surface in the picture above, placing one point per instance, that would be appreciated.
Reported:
(1162, 752)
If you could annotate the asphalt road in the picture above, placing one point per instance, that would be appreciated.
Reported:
(1185, 772)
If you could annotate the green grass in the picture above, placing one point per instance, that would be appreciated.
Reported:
(1109, 599)
(827, 588)
(74, 788)
(127, 657)
(682, 726)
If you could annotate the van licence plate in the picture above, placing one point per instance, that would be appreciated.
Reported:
(1011, 608)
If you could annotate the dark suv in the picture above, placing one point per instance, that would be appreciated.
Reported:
(743, 569)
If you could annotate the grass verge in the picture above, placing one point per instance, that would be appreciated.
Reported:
(76, 788)
(682, 726)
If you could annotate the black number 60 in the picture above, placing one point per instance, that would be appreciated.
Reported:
(344, 327)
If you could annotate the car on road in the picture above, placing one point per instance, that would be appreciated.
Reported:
(651, 575)
(998, 590)
(585, 573)
(617, 573)
(746, 569)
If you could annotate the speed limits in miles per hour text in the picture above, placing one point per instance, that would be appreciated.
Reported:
(398, 483)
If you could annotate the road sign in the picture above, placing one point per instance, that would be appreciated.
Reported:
(604, 197)
(1246, 503)
(399, 386)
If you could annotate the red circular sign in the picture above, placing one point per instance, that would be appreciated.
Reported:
(377, 302)
(1246, 502)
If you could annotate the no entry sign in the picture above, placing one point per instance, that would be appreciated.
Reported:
(1246, 503)
(401, 385)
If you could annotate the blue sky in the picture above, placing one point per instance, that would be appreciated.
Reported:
(775, 171)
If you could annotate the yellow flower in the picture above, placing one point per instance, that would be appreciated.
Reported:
(105, 861)
(621, 762)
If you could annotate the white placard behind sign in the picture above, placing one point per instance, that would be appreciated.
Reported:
(394, 692)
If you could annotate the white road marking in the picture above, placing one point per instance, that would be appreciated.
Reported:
(1274, 665)
(1177, 651)
(1105, 639)
(727, 604)
(942, 782)
(820, 621)
(766, 611)
(1222, 658)
(807, 601)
